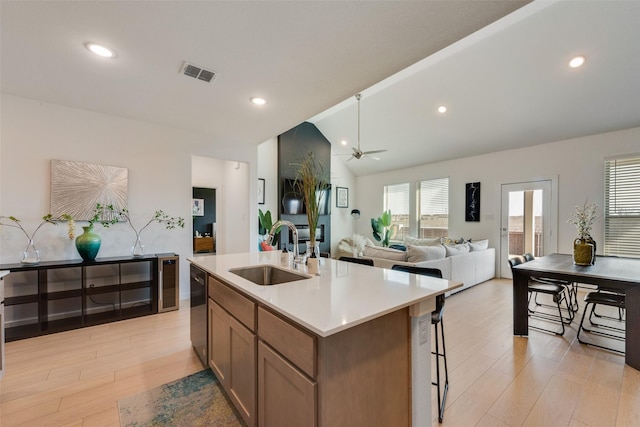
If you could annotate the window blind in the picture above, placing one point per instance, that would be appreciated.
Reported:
(622, 207)
(397, 198)
(434, 197)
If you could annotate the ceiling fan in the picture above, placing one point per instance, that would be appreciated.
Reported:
(357, 152)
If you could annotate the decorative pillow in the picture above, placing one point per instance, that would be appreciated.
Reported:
(425, 253)
(452, 250)
(408, 240)
(480, 245)
(386, 253)
(451, 241)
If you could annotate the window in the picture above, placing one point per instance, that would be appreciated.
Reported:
(396, 198)
(433, 217)
(622, 207)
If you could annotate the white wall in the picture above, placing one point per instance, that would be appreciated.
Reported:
(268, 170)
(342, 225)
(159, 162)
(577, 165)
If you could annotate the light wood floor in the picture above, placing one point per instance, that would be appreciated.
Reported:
(76, 378)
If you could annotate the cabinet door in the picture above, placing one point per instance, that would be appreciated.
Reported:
(242, 378)
(286, 397)
(219, 342)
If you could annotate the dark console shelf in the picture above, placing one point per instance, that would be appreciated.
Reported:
(55, 296)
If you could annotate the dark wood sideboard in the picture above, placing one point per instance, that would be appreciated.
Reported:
(56, 296)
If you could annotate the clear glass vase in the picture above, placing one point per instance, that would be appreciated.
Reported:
(31, 255)
(137, 250)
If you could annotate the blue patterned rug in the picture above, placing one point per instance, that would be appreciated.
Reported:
(196, 400)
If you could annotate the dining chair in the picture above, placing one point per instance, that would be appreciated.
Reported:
(558, 295)
(608, 298)
(571, 287)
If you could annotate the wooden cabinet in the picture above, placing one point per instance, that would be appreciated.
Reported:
(203, 244)
(56, 296)
(286, 397)
(219, 342)
(278, 374)
(232, 346)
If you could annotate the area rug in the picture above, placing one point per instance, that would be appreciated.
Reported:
(196, 400)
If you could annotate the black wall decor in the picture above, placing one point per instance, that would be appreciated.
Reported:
(293, 147)
(472, 205)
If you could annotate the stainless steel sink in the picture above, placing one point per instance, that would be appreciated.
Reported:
(266, 275)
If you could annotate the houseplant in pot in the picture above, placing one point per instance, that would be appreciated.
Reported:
(311, 182)
(584, 247)
(382, 229)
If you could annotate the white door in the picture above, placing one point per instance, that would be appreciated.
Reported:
(527, 223)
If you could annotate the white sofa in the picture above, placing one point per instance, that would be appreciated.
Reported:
(470, 268)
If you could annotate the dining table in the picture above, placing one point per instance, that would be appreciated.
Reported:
(609, 272)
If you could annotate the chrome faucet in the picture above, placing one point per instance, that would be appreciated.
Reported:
(297, 260)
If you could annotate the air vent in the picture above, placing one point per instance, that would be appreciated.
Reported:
(197, 72)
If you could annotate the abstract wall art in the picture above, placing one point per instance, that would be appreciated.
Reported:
(76, 188)
(472, 202)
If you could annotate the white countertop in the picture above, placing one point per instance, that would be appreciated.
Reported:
(342, 296)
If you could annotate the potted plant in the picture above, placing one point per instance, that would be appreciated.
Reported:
(265, 222)
(584, 247)
(311, 182)
(382, 230)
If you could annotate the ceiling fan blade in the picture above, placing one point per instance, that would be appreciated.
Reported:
(373, 157)
(374, 151)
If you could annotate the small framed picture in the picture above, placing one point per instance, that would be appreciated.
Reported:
(260, 191)
(342, 197)
(197, 208)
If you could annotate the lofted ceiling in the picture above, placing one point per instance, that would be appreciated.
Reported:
(504, 80)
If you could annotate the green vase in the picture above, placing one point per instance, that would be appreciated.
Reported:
(88, 244)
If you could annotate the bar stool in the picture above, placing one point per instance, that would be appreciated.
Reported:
(606, 298)
(363, 261)
(436, 319)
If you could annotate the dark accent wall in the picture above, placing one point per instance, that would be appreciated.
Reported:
(293, 146)
(204, 224)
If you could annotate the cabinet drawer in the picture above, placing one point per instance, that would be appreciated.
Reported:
(293, 343)
(240, 307)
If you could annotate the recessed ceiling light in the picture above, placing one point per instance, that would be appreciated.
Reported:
(105, 52)
(258, 101)
(442, 109)
(577, 61)
(343, 142)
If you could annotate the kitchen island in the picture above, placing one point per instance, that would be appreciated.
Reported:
(350, 346)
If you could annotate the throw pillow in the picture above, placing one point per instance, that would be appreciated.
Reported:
(386, 253)
(408, 240)
(425, 253)
(451, 241)
(458, 249)
(480, 245)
